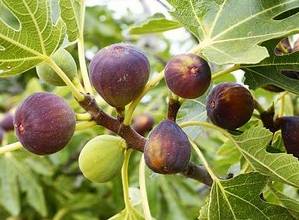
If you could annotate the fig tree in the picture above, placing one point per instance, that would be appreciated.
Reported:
(143, 123)
(119, 73)
(187, 75)
(65, 61)
(101, 158)
(230, 105)
(44, 123)
(168, 149)
(289, 126)
(7, 122)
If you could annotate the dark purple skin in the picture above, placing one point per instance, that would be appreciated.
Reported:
(119, 73)
(1, 135)
(168, 149)
(290, 133)
(188, 75)
(7, 122)
(44, 123)
(230, 105)
(143, 123)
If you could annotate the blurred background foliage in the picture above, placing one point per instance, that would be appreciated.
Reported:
(52, 187)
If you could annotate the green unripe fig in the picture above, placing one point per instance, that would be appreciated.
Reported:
(65, 61)
(102, 157)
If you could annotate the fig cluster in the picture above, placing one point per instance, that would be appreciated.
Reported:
(101, 158)
(187, 75)
(119, 73)
(167, 149)
(230, 105)
(66, 63)
(44, 123)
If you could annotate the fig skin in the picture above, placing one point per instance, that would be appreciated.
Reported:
(102, 157)
(65, 61)
(168, 150)
(230, 105)
(7, 122)
(143, 123)
(44, 123)
(119, 73)
(187, 75)
(289, 126)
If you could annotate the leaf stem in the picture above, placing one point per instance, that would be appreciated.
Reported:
(142, 185)
(134, 103)
(81, 52)
(10, 147)
(125, 179)
(78, 95)
(226, 71)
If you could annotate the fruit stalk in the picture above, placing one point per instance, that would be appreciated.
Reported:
(173, 108)
(133, 139)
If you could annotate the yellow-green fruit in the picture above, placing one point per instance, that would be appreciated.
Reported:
(102, 157)
(65, 61)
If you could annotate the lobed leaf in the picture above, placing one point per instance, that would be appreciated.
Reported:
(36, 39)
(231, 31)
(239, 198)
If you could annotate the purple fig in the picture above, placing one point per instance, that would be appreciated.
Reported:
(44, 123)
(188, 75)
(119, 73)
(168, 149)
(289, 126)
(143, 123)
(1, 135)
(230, 105)
(7, 122)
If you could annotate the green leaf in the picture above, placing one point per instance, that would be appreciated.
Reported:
(231, 31)
(239, 198)
(36, 39)
(279, 166)
(269, 70)
(70, 13)
(29, 185)
(154, 24)
(9, 193)
(291, 204)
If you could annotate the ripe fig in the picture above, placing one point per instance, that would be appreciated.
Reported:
(289, 126)
(101, 158)
(44, 123)
(65, 61)
(143, 123)
(187, 75)
(119, 73)
(230, 105)
(168, 149)
(7, 122)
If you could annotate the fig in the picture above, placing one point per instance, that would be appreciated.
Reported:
(289, 126)
(296, 46)
(102, 157)
(119, 73)
(44, 123)
(168, 149)
(187, 75)
(230, 105)
(7, 122)
(284, 47)
(143, 123)
(65, 61)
